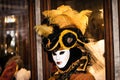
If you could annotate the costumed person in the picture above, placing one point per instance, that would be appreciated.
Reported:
(12, 69)
(62, 33)
(11, 65)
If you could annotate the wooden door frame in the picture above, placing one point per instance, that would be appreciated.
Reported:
(109, 52)
(33, 56)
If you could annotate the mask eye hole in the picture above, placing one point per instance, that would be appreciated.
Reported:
(62, 52)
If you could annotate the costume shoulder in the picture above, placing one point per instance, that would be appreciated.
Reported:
(9, 71)
(82, 76)
(51, 78)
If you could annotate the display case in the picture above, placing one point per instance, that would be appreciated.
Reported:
(17, 36)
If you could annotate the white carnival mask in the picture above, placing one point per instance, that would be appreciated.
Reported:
(61, 57)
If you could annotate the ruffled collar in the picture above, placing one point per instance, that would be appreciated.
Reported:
(78, 66)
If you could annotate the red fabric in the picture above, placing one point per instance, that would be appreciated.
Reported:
(9, 71)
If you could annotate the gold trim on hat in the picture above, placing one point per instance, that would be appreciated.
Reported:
(61, 36)
(62, 46)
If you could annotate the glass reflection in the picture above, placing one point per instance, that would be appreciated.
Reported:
(14, 37)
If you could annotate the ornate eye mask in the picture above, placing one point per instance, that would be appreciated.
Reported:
(66, 39)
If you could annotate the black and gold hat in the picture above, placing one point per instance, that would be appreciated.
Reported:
(63, 28)
(64, 39)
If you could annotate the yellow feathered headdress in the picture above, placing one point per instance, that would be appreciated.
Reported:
(64, 16)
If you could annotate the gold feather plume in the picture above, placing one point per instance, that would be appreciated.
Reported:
(44, 30)
(65, 15)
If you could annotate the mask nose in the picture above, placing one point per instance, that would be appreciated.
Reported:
(57, 57)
